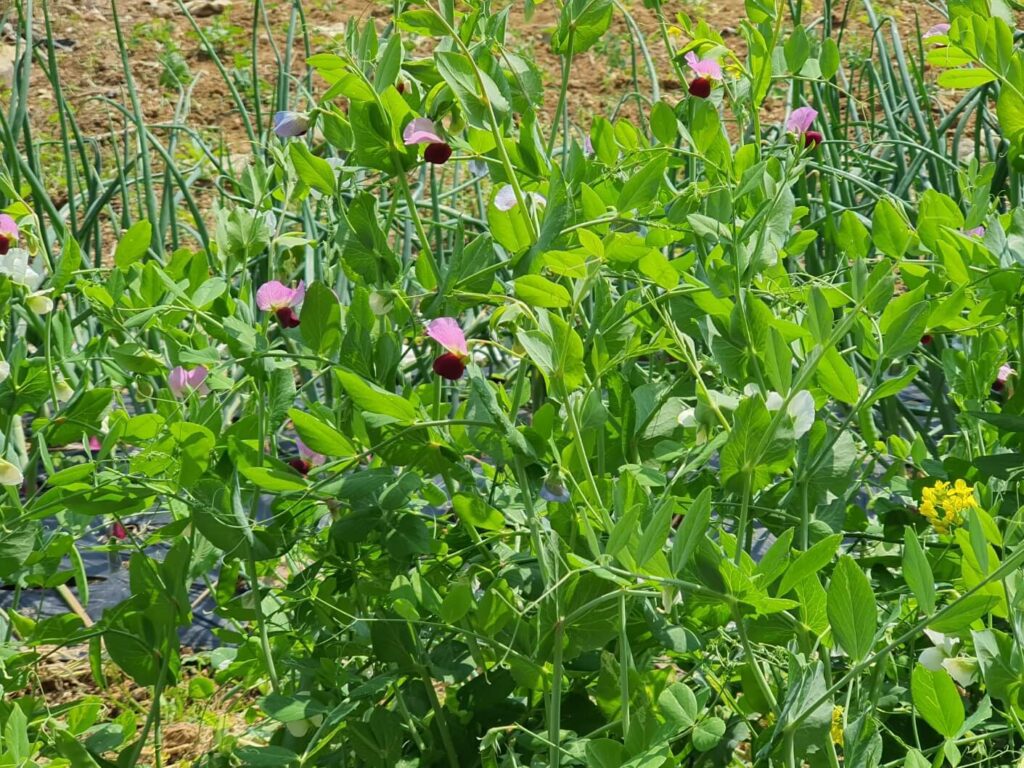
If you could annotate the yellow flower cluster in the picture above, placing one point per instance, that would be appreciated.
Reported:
(836, 731)
(944, 505)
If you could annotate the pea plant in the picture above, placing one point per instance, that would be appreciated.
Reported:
(683, 434)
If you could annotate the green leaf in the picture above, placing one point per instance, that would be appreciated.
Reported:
(678, 706)
(959, 616)
(917, 572)
(655, 266)
(893, 386)
(837, 378)
(890, 231)
(538, 291)
(642, 187)
(475, 511)
(851, 608)
(423, 22)
(320, 437)
(458, 602)
(320, 319)
(458, 71)
(829, 60)
(707, 733)
(751, 455)
(691, 531)
(904, 334)
(556, 350)
(937, 700)
(580, 25)
(134, 244)
(664, 125)
(965, 78)
(274, 480)
(372, 399)
(315, 172)
(70, 261)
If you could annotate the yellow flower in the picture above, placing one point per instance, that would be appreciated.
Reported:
(944, 505)
(836, 732)
(675, 31)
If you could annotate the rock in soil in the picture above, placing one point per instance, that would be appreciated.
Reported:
(204, 8)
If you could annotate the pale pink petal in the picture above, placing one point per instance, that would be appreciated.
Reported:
(801, 119)
(976, 232)
(446, 332)
(1005, 372)
(937, 30)
(8, 227)
(314, 458)
(275, 295)
(704, 67)
(421, 131)
(177, 380)
(505, 200)
(197, 380)
(300, 294)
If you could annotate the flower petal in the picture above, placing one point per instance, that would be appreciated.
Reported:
(704, 67)
(275, 295)
(936, 30)
(421, 131)
(290, 124)
(446, 332)
(177, 380)
(932, 658)
(505, 200)
(10, 474)
(8, 226)
(801, 119)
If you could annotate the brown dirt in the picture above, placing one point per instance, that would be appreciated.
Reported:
(92, 73)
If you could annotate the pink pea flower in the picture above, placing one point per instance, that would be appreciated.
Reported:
(420, 131)
(706, 71)
(118, 532)
(505, 200)
(94, 445)
(182, 381)
(8, 233)
(291, 124)
(936, 30)
(976, 232)
(307, 458)
(1003, 377)
(423, 131)
(800, 122)
(278, 298)
(446, 332)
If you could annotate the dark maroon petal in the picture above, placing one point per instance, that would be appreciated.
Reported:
(437, 153)
(813, 139)
(287, 318)
(5, 245)
(300, 465)
(926, 339)
(700, 87)
(449, 366)
(118, 531)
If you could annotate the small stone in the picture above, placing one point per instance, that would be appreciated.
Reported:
(202, 9)
(8, 59)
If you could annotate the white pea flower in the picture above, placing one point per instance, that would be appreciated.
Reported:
(942, 656)
(40, 302)
(10, 474)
